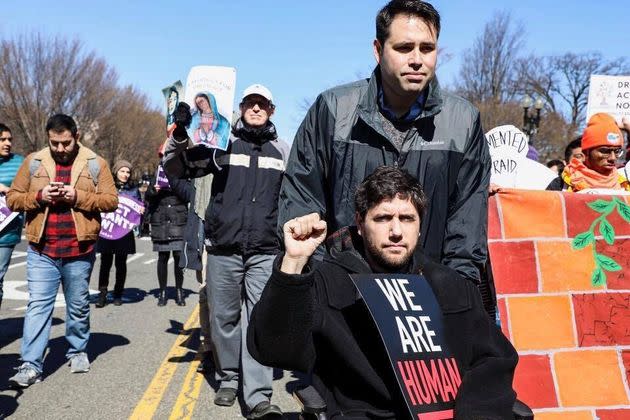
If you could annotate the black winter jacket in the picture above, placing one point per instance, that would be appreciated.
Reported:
(168, 209)
(243, 211)
(317, 322)
(342, 140)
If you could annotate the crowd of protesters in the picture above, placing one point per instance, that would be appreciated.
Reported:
(369, 186)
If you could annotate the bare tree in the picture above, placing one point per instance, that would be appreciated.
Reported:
(563, 80)
(131, 131)
(42, 76)
(487, 70)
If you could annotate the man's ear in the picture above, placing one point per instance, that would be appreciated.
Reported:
(358, 221)
(78, 136)
(378, 48)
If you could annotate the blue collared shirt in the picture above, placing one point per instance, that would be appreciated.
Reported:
(413, 113)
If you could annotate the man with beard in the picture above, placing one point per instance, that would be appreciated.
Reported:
(312, 319)
(63, 189)
(399, 117)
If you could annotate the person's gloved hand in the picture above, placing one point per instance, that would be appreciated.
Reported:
(182, 118)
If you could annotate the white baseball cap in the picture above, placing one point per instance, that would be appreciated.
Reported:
(258, 89)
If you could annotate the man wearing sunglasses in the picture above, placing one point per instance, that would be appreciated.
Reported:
(240, 224)
(602, 145)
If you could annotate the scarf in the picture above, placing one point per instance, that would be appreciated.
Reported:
(579, 177)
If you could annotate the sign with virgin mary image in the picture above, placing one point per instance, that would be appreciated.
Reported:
(210, 94)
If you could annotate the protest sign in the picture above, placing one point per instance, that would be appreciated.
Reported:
(172, 95)
(510, 167)
(210, 94)
(161, 181)
(6, 215)
(116, 224)
(609, 94)
(410, 323)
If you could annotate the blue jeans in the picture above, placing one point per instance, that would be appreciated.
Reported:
(5, 258)
(44, 274)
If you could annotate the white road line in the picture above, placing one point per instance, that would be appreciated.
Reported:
(18, 254)
(152, 260)
(17, 264)
(135, 257)
(170, 261)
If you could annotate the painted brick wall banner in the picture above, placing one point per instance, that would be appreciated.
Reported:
(561, 265)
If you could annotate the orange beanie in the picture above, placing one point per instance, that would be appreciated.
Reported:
(601, 130)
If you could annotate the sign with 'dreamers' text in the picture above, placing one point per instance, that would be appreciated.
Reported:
(609, 94)
(116, 224)
(210, 94)
(410, 323)
(510, 167)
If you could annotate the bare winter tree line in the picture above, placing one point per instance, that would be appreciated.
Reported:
(496, 73)
(41, 76)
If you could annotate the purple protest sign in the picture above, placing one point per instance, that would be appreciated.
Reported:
(118, 223)
(160, 178)
(6, 215)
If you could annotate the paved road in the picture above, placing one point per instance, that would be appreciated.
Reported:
(143, 356)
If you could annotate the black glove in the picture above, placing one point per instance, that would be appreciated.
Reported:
(182, 119)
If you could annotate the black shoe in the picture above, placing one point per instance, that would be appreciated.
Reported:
(117, 301)
(179, 297)
(264, 409)
(162, 298)
(225, 397)
(102, 300)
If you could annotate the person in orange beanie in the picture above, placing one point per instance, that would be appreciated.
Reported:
(602, 145)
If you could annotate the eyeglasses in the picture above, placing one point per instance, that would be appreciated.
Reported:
(607, 151)
(261, 102)
(6, 138)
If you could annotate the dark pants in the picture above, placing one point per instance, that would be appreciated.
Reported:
(121, 273)
(162, 267)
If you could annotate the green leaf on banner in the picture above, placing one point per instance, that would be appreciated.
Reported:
(601, 206)
(583, 240)
(599, 277)
(607, 231)
(624, 210)
(607, 263)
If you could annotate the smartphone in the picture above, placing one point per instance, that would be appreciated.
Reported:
(56, 184)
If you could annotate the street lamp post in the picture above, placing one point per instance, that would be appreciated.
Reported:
(531, 121)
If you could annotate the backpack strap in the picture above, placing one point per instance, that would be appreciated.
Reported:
(34, 166)
(93, 168)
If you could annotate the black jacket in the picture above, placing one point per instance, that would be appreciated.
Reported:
(342, 140)
(316, 321)
(168, 208)
(243, 211)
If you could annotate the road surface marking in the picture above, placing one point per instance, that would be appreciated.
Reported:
(189, 394)
(152, 260)
(135, 257)
(152, 397)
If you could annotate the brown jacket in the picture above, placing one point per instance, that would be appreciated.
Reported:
(91, 199)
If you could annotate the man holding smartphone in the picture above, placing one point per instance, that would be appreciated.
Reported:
(63, 189)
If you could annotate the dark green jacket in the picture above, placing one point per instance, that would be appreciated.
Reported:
(341, 141)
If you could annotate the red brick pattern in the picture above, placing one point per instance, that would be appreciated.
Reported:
(516, 273)
(602, 319)
(620, 414)
(533, 381)
(574, 338)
